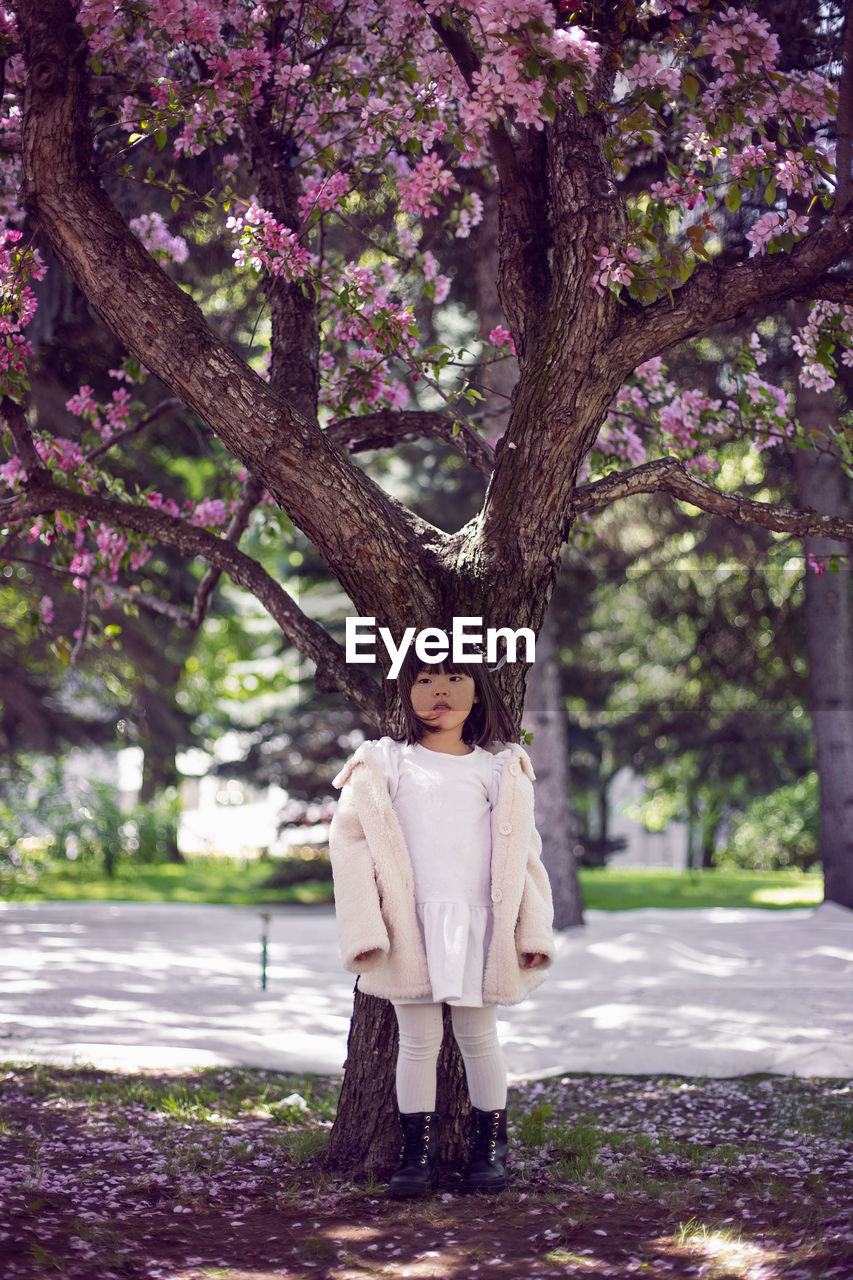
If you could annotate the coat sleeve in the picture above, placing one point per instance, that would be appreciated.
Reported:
(361, 928)
(534, 928)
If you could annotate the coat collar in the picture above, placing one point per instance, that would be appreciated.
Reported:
(364, 755)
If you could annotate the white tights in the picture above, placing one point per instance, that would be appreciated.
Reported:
(420, 1040)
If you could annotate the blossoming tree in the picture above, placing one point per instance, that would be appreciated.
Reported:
(660, 169)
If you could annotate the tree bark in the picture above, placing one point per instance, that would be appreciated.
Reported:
(822, 483)
(365, 1136)
(543, 710)
(545, 718)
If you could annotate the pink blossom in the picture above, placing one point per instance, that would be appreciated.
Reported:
(470, 215)
(429, 180)
(612, 272)
(210, 513)
(649, 72)
(264, 243)
(772, 225)
(159, 503)
(324, 194)
(83, 404)
(741, 33)
(817, 566)
(502, 337)
(12, 473)
(752, 157)
(792, 173)
(158, 240)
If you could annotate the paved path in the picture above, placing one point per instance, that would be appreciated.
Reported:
(718, 992)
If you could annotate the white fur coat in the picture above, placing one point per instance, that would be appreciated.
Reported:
(374, 887)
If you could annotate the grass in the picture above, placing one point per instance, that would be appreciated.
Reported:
(620, 889)
(155, 1177)
(234, 881)
(244, 883)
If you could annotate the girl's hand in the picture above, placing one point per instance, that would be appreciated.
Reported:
(533, 960)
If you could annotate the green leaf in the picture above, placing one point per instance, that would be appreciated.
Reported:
(690, 87)
(581, 101)
(62, 649)
(733, 199)
(770, 192)
(161, 138)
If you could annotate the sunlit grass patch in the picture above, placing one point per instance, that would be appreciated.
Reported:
(221, 880)
(250, 882)
(625, 888)
(724, 1252)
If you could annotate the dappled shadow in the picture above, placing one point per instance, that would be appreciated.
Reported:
(345, 1234)
(697, 992)
(135, 985)
(145, 1178)
(708, 992)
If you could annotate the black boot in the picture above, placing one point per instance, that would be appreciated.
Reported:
(416, 1173)
(486, 1169)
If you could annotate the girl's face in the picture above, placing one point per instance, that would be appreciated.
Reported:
(443, 700)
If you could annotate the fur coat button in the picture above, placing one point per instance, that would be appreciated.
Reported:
(514, 767)
(497, 896)
(505, 828)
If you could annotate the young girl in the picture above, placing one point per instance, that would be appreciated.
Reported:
(441, 897)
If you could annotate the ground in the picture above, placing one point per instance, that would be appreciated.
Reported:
(218, 1174)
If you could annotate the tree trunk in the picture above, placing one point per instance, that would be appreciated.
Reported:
(545, 719)
(365, 1136)
(821, 483)
(543, 714)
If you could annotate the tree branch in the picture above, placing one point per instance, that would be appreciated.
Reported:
(129, 595)
(524, 274)
(16, 420)
(359, 530)
(714, 294)
(158, 411)
(333, 672)
(382, 430)
(844, 119)
(249, 499)
(83, 630)
(837, 287)
(668, 475)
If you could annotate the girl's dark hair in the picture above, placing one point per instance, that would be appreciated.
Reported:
(490, 719)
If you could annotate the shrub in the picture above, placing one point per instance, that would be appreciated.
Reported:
(779, 830)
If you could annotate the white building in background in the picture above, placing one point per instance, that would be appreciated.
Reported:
(226, 816)
(667, 848)
(221, 815)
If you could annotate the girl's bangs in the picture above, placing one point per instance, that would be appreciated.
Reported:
(445, 667)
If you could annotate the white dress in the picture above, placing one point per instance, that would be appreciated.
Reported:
(444, 804)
